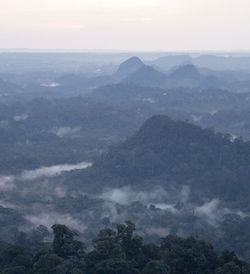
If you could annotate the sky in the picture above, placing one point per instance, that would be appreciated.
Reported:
(148, 25)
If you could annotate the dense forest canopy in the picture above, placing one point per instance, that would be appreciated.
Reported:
(116, 251)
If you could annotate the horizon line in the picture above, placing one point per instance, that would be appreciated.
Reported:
(120, 50)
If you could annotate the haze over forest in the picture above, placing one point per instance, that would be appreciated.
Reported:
(124, 137)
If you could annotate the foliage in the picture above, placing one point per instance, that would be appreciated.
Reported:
(120, 251)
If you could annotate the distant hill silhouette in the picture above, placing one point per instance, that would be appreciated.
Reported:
(214, 62)
(128, 67)
(167, 62)
(184, 76)
(187, 71)
(146, 76)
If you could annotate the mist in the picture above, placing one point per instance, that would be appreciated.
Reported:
(65, 131)
(126, 195)
(6, 183)
(51, 171)
(50, 218)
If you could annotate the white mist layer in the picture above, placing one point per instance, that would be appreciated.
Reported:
(51, 171)
(126, 195)
(6, 183)
(196, 118)
(20, 117)
(159, 231)
(210, 211)
(8, 205)
(49, 219)
(168, 207)
(50, 85)
(64, 131)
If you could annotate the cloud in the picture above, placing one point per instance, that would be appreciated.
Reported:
(168, 207)
(213, 212)
(8, 205)
(60, 192)
(64, 131)
(184, 194)
(20, 117)
(51, 171)
(209, 209)
(50, 85)
(51, 218)
(159, 231)
(120, 196)
(126, 195)
(6, 183)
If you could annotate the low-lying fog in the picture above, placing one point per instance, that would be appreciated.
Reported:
(44, 201)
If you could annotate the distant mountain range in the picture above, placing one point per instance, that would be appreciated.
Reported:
(186, 75)
(214, 62)
(135, 71)
(165, 72)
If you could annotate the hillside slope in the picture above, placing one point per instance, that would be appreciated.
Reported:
(175, 154)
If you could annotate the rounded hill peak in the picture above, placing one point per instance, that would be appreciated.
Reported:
(128, 67)
(187, 71)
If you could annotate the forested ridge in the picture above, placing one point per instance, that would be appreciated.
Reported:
(168, 152)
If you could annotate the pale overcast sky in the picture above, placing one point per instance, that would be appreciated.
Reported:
(125, 24)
